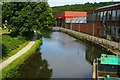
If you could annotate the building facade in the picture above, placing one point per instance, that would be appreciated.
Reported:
(70, 17)
(103, 22)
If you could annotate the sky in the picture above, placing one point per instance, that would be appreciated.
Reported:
(53, 3)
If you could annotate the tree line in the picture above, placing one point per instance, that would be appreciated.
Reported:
(81, 7)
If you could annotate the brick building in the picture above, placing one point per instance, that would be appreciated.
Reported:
(69, 17)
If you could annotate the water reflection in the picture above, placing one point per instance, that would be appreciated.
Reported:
(35, 67)
(94, 51)
(46, 33)
(67, 56)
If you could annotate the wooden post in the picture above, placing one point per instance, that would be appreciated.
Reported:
(94, 74)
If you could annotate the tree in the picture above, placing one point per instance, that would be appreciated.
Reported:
(25, 17)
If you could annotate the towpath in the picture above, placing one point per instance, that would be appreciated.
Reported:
(15, 56)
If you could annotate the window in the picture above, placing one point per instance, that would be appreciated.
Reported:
(101, 15)
(113, 31)
(98, 16)
(90, 17)
(118, 15)
(93, 16)
(109, 15)
(113, 14)
(117, 32)
(104, 16)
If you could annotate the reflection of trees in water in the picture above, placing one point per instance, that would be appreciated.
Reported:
(46, 33)
(35, 67)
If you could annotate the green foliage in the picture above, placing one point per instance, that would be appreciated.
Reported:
(5, 31)
(11, 71)
(39, 34)
(9, 44)
(25, 17)
(81, 7)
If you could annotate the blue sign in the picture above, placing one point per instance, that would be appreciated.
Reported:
(56, 28)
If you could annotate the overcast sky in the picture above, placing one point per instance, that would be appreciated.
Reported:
(65, 2)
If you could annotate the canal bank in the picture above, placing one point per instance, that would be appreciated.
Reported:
(11, 70)
(109, 45)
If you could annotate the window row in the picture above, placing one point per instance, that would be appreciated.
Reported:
(115, 31)
(111, 15)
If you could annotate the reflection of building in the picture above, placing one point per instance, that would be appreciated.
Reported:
(93, 53)
(89, 55)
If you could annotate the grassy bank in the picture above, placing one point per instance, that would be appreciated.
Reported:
(11, 70)
(11, 45)
(15, 50)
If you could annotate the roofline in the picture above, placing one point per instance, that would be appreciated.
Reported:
(108, 6)
(70, 11)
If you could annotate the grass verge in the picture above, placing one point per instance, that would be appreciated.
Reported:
(11, 44)
(12, 69)
(15, 51)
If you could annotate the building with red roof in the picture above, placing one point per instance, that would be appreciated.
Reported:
(68, 17)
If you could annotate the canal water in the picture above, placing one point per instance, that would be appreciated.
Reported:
(61, 56)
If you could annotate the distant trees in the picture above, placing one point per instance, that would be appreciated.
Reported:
(24, 17)
(81, 7)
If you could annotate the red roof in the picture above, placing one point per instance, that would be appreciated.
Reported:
(71, 14)
(75, 14)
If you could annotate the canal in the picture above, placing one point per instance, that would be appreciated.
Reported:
(61, 56)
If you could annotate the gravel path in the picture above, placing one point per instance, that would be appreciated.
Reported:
(15, 56)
